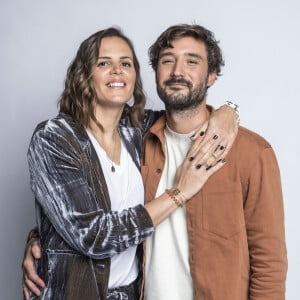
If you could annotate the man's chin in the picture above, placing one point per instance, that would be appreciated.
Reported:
(175, 94)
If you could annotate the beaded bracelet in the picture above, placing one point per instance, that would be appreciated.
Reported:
(173, 195)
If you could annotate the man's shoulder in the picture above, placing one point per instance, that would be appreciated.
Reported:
(249, 149)
(251, 139)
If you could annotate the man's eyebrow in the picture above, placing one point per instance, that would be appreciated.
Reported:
(189, 54)
(194, 55)
(165, 54)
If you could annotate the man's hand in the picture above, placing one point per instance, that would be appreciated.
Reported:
(31, 281)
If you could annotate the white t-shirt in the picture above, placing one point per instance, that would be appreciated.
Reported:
(167, 252)
(126, 189)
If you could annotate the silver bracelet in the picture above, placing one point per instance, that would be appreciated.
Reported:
(235, 107)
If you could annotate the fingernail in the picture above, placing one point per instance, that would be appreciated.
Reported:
(191, 158)
(198, 167)
(221, 148)
(202, 133)
(215, 137)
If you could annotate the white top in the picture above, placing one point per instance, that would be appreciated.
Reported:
(167, 252)
(123, 193)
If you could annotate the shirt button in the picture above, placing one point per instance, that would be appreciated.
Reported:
(158, 171)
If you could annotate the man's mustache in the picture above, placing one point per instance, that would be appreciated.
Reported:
(178, 80)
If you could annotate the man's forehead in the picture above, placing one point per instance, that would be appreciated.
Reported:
(187, 46)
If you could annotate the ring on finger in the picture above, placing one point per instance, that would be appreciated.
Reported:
(214, 156)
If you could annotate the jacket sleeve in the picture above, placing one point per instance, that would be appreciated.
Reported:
(264, 218)
(59, 183)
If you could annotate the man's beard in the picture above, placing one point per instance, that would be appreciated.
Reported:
(180, 101)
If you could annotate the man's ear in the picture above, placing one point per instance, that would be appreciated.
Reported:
(211, 79)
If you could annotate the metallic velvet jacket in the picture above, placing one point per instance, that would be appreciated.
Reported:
(78, 231)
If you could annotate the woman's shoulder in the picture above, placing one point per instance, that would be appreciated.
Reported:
(61, 127)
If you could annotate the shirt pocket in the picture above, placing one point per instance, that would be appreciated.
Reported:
(223, 213)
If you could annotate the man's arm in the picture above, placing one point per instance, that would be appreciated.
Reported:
(264, 218)
(31, 281)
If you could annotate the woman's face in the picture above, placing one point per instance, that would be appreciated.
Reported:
(114, 74)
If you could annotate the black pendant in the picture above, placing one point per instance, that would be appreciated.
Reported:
(113, 168)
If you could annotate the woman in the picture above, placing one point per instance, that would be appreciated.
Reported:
(84, 167)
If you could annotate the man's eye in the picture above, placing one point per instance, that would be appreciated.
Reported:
(192, 62)
(166, 61)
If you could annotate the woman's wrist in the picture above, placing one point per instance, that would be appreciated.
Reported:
(236, 109)
(177, 196)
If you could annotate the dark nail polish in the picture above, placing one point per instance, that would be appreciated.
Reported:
(202, 133)
(198, 167)
(191, 158)
(215, 137)
(222, 148)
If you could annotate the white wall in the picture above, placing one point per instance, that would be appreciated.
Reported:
(260, 40)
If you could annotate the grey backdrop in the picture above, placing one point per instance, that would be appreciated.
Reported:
(260, 39)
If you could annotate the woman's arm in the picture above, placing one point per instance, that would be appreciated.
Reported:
(60, 182)
(222, 123)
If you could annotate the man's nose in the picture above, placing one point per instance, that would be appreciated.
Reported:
(178, 70)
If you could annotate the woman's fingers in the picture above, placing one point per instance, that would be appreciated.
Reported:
(205, 150)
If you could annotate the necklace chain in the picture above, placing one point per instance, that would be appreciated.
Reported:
(113, 169)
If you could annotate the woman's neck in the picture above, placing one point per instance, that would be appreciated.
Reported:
(108, 118)
(106, 131)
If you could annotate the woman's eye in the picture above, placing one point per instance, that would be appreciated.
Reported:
(126, 64)
(103, 64)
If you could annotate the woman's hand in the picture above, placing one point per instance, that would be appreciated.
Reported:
(218, 133)
(31, 281)
(194, 172)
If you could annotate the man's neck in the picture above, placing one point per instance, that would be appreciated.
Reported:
(188, 120)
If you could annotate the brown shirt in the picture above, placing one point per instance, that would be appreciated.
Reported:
(235, 223)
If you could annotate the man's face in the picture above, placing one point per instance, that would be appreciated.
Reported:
(182, 74)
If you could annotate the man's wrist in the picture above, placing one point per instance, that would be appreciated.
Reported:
(33, 235)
